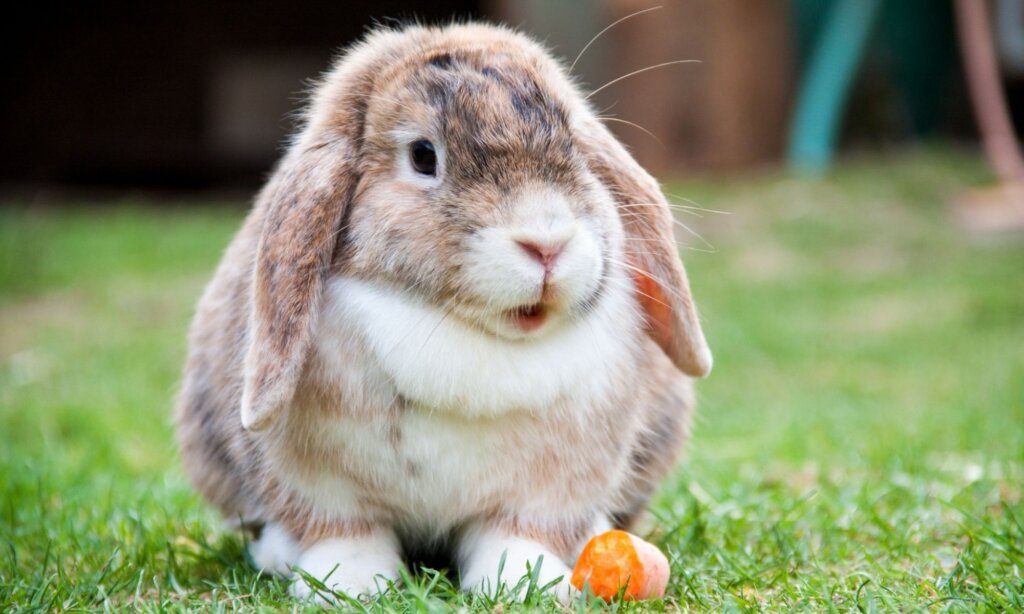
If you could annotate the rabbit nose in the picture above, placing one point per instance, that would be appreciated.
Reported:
(544, 252)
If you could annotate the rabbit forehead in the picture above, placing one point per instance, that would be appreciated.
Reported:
(406, 53)
(494, 110)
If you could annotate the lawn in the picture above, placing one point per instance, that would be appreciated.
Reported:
(859, 446)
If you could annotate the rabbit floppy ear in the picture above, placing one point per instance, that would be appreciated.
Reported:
(663, 291)
(301, 212)
(301, 209)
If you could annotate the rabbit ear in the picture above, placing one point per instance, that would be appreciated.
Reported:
(662, 289)
(301, 212)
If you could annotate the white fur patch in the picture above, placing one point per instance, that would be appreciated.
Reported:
(499, 271)
(351, 565)
(483, 570)
(275, 551)
(436, 360)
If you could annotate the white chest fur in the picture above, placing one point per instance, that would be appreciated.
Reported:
(435, 360)
(478, 408)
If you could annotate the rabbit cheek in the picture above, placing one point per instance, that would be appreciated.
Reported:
(392, 235)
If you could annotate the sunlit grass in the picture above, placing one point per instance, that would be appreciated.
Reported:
(860, 444)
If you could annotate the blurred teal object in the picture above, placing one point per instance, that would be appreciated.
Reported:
(826, 84)
(834, 37)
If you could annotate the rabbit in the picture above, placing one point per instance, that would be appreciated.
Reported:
(455, 321)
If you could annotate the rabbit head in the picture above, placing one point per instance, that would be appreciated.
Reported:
(462, 166)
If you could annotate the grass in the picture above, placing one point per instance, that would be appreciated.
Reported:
(860, 445)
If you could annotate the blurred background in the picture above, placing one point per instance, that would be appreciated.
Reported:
(193, 95)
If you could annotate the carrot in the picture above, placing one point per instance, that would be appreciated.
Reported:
(617, 561)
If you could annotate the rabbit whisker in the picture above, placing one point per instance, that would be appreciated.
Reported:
(678, 223)
(637, 72)
(696, 205)
(635, 125)
(673, 206)
(678, 245)
(609, 27)
(664, 286)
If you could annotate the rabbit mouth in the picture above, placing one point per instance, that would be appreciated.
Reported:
(528, 318)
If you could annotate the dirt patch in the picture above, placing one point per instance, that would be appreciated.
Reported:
(23, 318)
(115, 304)
(767, 262)
(869, 261)
(888, 314)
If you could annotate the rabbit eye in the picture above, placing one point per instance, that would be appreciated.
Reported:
(424, 158)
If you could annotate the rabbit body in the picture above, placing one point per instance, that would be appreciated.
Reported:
(487, 359)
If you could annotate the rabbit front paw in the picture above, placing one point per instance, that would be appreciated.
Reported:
(351, 566)
(493, 563)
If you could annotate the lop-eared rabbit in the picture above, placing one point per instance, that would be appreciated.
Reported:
(455, 320)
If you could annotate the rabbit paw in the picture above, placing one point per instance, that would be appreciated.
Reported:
(275, 551)
(484, 571)
(354, 566)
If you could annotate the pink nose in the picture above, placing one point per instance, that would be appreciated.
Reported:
(544, 253)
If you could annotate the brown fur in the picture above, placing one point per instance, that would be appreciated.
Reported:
(509, 116)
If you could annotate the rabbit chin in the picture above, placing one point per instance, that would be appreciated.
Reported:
(442, 362)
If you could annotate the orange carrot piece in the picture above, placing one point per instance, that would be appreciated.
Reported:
(616, 560)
